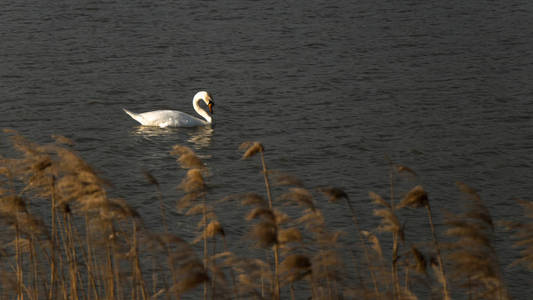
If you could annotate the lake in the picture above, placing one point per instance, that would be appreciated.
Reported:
(331, 88)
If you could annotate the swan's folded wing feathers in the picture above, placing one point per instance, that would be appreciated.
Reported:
(166, 118)
(164, 124)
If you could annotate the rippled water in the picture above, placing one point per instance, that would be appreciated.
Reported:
(330, 88)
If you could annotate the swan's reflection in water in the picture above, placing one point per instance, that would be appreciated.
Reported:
(199, 137)
(149, 132)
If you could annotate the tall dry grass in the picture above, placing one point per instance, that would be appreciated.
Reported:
(65, 238)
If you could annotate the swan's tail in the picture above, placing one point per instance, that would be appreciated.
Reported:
(135, 116)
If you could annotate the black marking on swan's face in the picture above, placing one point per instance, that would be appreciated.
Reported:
(210, 103)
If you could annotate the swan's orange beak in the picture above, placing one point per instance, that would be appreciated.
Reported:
(211, 105)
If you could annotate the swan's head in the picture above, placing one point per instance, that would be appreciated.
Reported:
(208, 100)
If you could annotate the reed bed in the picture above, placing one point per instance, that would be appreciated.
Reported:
(63, 237)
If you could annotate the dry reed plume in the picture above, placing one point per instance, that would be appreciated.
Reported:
(523, 235)
(474, 261)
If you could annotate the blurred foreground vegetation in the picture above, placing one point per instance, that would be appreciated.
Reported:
(63, 237)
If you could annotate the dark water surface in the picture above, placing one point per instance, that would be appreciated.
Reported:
(330, 87)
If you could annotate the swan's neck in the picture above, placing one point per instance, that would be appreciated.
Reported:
(201, 111)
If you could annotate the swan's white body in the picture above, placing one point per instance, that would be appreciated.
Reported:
(174, 118)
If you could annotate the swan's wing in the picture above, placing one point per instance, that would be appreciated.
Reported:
(169, 118)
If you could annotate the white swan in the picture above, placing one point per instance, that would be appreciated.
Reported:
(174, 118)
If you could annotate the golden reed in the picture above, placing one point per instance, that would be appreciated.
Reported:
(87, 245)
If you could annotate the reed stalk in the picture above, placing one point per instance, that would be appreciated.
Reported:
(151, 179)
(68, 249)
(439, 256)
(18, 258)
(395, 246)
(415, 198)
(206, 251)
(138, 271)
(51, 295)
(336, 194)
(33, 263)
(115, 275)
(365, 250)
(108, 271)
(213, 281)
(276, 245)
(81, 262)
(252, 148)
(90, 264)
